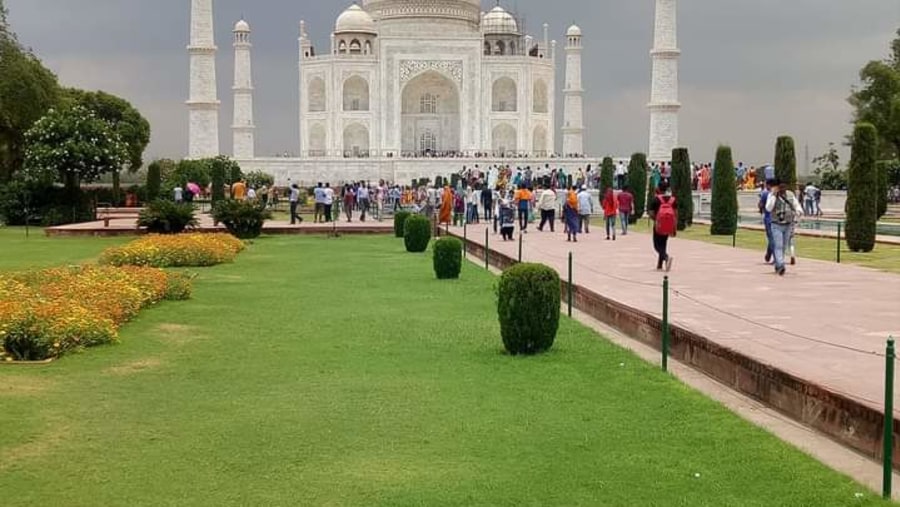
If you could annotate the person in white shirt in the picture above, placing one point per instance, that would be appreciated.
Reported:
(179, 194)
(319, 194)
(362, 200)
(621, 175)
(329, 201)
(784, 207)
(547, 202)
(585, 210)
(251, 194)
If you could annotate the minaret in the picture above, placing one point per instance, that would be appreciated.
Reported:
(243, 128)
(203, 105)
(573, 118)
(664, 105)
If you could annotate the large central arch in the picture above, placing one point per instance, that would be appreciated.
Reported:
(430, 115)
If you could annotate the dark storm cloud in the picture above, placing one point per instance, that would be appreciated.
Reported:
(749, 70)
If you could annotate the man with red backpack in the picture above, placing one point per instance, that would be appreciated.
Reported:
(664, 213)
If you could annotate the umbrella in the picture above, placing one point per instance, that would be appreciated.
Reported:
(193, 188)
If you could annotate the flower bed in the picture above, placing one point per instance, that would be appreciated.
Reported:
(180, 250)
(47, 313)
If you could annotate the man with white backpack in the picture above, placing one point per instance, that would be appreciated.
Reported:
(785, 209)
(664, 213)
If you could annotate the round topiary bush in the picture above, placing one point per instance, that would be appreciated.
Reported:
(528, 308)
(417, 234)
(400, 223)
(447, 258)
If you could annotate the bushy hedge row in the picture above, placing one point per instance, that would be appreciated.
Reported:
(167, 217)
(47, 313)
(181, 250)
(243, 219)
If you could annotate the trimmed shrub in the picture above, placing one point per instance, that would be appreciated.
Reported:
(862, 208)
(243, 219)
(400, 223)
(682, 187)
(167, 217)
(724, 195)
(447, 258)
(217, 175)
(417, 233)
(786, 162)
(637, 181)
(607, 175)
(154, 181)
(528, 308)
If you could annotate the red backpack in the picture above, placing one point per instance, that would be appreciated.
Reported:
(666, 218)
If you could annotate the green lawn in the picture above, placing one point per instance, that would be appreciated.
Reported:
(19, 252)
(321, 371)
(884, 257)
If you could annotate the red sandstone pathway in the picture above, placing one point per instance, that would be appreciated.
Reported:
(727, 294)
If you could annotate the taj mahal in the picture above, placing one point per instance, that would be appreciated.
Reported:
(408, 89)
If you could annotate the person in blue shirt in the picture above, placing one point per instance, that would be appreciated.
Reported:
(767, 219)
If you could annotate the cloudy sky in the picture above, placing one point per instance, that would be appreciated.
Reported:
(750, 70)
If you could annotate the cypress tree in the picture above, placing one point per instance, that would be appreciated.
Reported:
(217, 178)
(862, 183)
(607, 175)
(637, 181)
(724, 194)
(681, 187)
(883, 188)
(786, 162)
(154, 181)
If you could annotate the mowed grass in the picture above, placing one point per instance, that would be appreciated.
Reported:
(321, 371)
(36, 250)
(884, 257)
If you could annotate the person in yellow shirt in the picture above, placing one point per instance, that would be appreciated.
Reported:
(239, 190)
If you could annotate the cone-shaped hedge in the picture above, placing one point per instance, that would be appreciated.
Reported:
(637, 181)
(447, 258)
(681, 187)
(786, 162)
(724, 195)
(862, 184)
(400, 223)
(217, 177)
(607, 174)
(528, 308)
(417, 234)
(154, 181)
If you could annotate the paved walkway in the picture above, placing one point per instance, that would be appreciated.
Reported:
(823, 322)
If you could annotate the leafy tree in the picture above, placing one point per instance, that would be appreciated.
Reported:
(607, 175)
(786, 161)
(259, 179)
(863, 183)
(637, 181)
(72, 145)
(724, 194)
(27, 91)
(877, 101)
(682, 188)
(828, 169)
(132, 127)
(217, 176)
(189, 171)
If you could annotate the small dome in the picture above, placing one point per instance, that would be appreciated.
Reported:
(355, 19)
(242, 26)
(498, 21)
(574, 31)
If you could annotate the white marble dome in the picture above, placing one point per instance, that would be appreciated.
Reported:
(498, 21)
(356, 20)
(242, 26)
(574, 31)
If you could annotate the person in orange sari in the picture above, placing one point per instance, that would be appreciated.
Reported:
(446, 205)
(571, 214)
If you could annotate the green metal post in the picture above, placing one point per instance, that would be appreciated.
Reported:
(520, 247)
(839, 243)
(487, 250)
(665, 325)
(570, 285)
(465, 239)
(888, 451)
